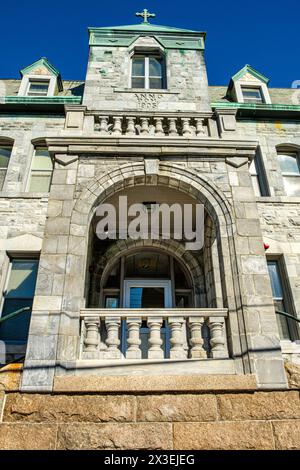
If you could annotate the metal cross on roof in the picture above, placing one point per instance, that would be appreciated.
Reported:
(145, 14)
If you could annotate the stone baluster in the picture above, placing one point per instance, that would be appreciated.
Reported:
(177, 350)
(103, 125)
(133, 340)
(112, 327)
(196, 340)
(155, 342)
(130, 126)
(159, 131)
(144, 126)
(172, 126)
(200, 129)
(217, 339)
(186, 131)
(117, 129)
(91, 340)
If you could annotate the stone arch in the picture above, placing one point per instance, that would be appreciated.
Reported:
(186, 260)
(169, 175)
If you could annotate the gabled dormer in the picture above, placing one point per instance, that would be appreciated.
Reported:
(40, 79)
(249, 86)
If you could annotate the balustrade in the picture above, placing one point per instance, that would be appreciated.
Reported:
(173, 334)
(154, 126)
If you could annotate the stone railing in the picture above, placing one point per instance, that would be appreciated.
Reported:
(152, 125)
(192, 333)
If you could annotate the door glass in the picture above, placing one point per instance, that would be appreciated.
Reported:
(147, 297)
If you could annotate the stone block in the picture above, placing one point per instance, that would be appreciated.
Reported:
(41, 408)
(176, 408)
(10, 376)
(261, 405)
(226, 435)
(287, 434)
(17, 436)
(118, 436)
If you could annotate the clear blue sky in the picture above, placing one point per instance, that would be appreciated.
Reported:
(262, 33)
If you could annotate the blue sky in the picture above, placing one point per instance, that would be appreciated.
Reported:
(262, 33)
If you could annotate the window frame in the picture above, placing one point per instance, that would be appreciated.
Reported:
(18, 257)
(286, 175)
(253, 87)
(6, 144)
(146, 56)
(259, 175)
(33, 80)
(287, 298)
(38, 172)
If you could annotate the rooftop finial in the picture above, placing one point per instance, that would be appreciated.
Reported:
(145, 14)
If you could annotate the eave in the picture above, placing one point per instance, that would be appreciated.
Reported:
(273, 111)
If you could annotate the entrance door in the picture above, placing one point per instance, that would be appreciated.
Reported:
(147, 293)
(143, 294)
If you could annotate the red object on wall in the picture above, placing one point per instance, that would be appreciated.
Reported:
(266, 246)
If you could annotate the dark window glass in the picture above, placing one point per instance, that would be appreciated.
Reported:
(19, 294)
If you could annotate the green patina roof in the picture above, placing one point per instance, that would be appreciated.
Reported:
(249, 69)
(145, 27)
(42, 61)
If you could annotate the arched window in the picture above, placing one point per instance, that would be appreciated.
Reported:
(41, 171)
(148, 71)
(5, 152)
(289, 162)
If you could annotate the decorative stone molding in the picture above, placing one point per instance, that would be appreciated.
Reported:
(65, 159)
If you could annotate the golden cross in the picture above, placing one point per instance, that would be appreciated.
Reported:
(145, 14)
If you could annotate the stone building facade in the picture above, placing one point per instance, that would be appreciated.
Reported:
(146, 125)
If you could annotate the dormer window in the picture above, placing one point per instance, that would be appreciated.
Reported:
(38, 87)
(252, 94)
(147, 71)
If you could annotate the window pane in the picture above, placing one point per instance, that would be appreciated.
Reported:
(4, 156)
(22, 279)
(42, 160)
(19, 294)
(292, 185)
(38, 87)
(277, 292)
(138, 82)
(288, 163)
(155, 83)
(15, 329)
(275, 279)
(138, 67)
(155, 67)
(252, 94)
(40, 183)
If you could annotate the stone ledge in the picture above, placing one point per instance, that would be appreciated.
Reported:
(179, 383)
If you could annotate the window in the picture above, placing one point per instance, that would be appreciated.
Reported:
(41, 171)
(5, 151)
(19, 293)
(280, 300)
(252, 95)
(147, 72)
(255, 178)
(290, 170)
(258, 176)
(37, 87)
